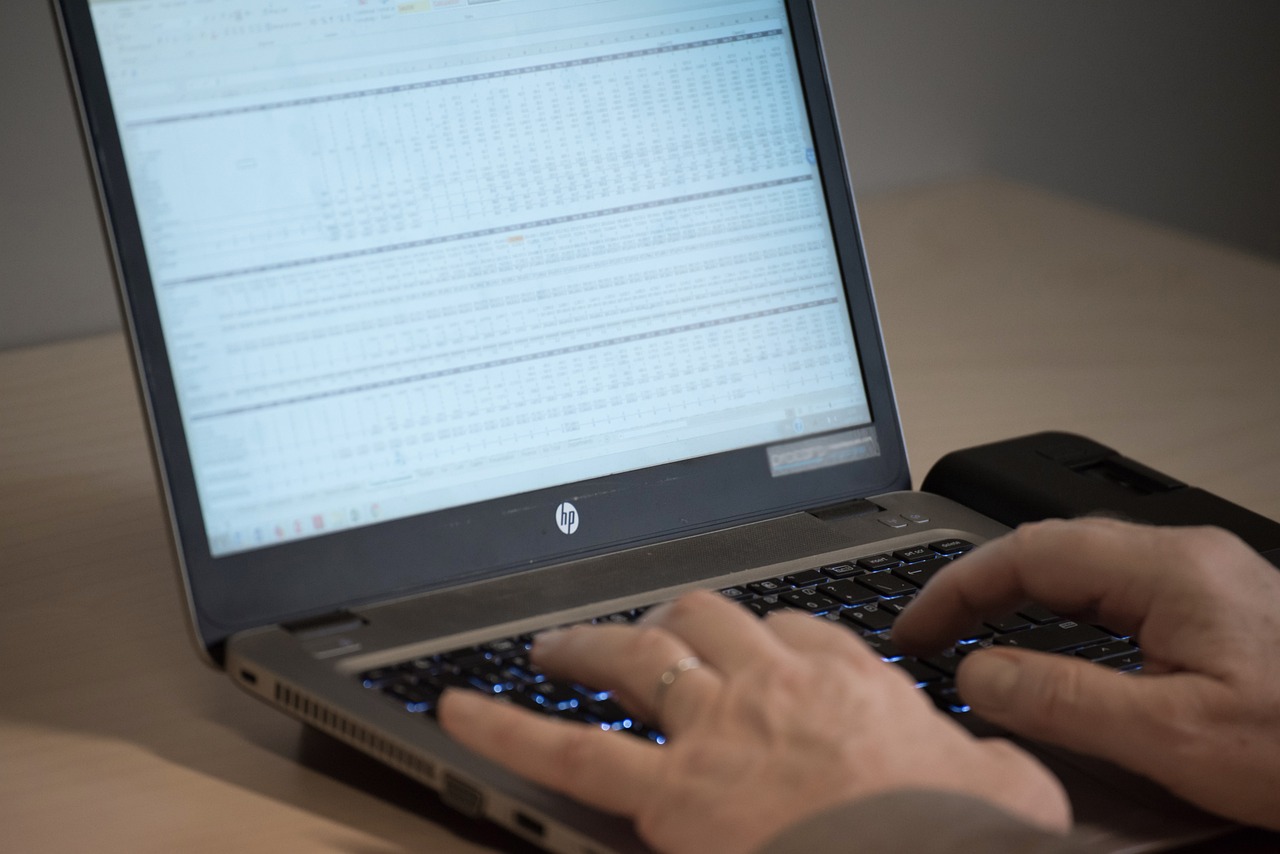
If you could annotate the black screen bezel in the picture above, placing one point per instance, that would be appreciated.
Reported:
(342, 569)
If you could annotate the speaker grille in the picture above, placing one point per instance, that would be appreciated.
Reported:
(321, 716)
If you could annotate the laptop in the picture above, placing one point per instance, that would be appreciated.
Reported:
(460, 319)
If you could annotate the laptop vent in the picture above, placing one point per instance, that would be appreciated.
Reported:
(324, 718)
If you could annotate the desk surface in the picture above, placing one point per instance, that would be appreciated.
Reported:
(1006, 310)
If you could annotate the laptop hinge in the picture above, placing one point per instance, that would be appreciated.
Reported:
(329, 635)
(847, 509)
(324, 625)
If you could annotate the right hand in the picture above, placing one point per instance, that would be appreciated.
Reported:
(779, 720)
(1203, 717)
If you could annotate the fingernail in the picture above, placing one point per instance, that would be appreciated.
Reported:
(548, 641)
(991, 679)
(656, 613)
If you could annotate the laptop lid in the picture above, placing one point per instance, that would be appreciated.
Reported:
(427, 292)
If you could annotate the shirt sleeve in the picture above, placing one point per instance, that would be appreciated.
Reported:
(920, 822)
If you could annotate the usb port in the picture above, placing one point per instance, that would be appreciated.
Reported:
(462, 796)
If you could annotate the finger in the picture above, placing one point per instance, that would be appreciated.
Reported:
(609, 771)
(630, 661)
(1071, 702)
(721, 633)
(1110, 570)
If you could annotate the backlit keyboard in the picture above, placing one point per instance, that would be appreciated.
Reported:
(864, 596)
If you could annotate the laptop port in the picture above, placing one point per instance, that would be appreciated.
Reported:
(462, 796)
(530, 825)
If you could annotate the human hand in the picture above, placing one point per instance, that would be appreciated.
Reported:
(781, 719)
(1203, 718)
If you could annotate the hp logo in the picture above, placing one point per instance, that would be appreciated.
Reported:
(567, 518)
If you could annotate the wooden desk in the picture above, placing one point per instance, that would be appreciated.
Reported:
(1006, 310)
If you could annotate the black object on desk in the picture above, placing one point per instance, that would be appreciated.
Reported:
(1062, 475)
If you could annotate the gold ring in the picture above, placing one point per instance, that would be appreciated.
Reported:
(669, 677)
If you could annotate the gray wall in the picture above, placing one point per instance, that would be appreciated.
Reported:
(1169, 109)
(54, 278)
(1163, 108)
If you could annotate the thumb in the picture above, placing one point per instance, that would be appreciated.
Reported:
(1062, 700)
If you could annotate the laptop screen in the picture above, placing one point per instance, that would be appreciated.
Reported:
(423, 293)
(410, 256)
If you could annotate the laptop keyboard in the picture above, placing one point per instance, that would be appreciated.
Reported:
(864, 596)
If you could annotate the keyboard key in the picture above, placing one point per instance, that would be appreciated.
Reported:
(1106, 650)
(842, 570)
(919, 671)
(885, 583)
(947, 664)
(871, 564)
(896, 606)
(449, 680)
(591, 693)
(1128, 661)
(806, 578)
(848, 592)
(465, 659)
(768, 586)
(914, 554)
(735, 593)
(883, 645)
(1039, 614)
(524, 670)
(605, 711)
(525, 701)
(764, 605)
(506, 646)
(808, 599)
(1009, 623)
(868, 617)
(380, 677)
(946, 697)
(963, 649)
(416, 699)
(425, 667)
(920, 573)
(491, 678)
(951, 547)
(1062, 637)
(554, 696)
(976, 633)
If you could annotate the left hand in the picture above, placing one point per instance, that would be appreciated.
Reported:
(781, 719)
